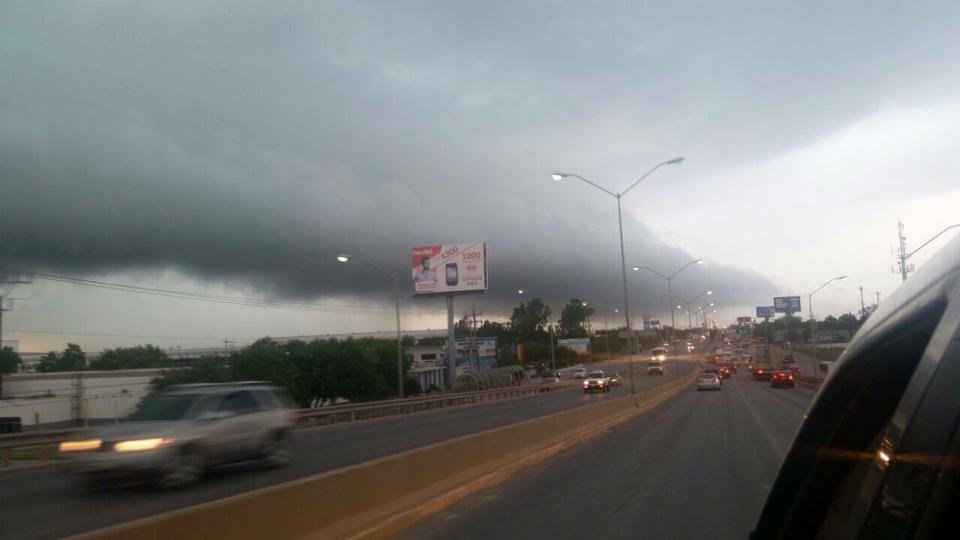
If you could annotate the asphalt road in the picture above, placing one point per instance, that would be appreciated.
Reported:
(697, 466)
(51, 504)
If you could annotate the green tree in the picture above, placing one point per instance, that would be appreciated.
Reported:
(9, 360)
(71, 359)
(9, 363)
(139, 357)
(529, 319)
(573, 317)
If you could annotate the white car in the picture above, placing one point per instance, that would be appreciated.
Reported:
(655, 368)
(580, 373)
(708, 381)
(596, 381)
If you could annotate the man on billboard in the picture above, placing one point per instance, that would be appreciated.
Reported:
(423, 273)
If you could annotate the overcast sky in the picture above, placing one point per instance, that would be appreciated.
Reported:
(235, 148)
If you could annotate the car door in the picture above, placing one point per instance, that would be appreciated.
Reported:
(236, 426)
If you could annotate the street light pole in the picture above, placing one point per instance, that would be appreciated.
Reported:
(673, 324)
(557, 176)
(396, 298)
(813, 325)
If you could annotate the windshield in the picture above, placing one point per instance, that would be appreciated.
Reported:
(595, 374)
(165, 407)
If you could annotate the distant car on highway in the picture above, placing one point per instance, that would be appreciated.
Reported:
(549, 378)
(658, 354)
(708, 381)
(714, 371)
(176, 434)
(596, 381)
(615, 379)
(761, 373)
(781, 378)
(655, 368)
(580, 373)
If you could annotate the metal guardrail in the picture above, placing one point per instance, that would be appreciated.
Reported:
(43, 440)
(361, 411)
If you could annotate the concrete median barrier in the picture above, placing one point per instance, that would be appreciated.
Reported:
(365, 500)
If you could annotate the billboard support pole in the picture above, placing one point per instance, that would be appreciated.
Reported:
(451, 345)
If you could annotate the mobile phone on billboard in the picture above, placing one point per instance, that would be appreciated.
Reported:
(452, 278)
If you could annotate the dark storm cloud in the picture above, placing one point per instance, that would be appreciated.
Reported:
(252, 142)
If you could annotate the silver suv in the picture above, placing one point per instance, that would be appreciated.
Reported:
(177, 433)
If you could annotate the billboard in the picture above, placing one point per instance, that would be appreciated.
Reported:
(442, 269)
(782, 304)
(765, 312)
(580, 345)
(486, 348)
(744, 320)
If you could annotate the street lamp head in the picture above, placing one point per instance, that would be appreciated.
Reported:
(841, 278)
(343, 258)
(699, 261)
(679, 307)
(709, 293)
(519, 291)
(675, 161)
(558, 176)
(636, 268)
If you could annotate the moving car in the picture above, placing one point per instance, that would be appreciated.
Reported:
(658, 354)
(876, 455)
(580, 373)
(708, 381)
(714, 371)
(781, 378)
(761, 373)
(655, 368)
(178, 433)
(596, 381)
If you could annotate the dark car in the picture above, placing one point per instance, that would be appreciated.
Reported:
(761, 373)
(876, 455)
(781, 378)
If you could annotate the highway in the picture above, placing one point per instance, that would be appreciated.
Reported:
(696, 466)
(50, 504)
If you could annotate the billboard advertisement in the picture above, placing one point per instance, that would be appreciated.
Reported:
(782, 304)
(580, 345)
(765, 312)
(486, 348)
(442, 269)
(744, 320)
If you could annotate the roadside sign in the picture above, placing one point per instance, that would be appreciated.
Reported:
(782, 304)
(443, 269)
(765, 312)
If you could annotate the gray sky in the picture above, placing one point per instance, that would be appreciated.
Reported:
(235, 147)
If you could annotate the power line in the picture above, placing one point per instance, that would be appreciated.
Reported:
(206, 297)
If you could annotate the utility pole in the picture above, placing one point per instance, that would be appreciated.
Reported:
(226, 347)
(863, 307)
(902, 251)
(12, 280)
(474, 346)
(878, 298)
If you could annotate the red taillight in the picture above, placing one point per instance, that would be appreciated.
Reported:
(790, 377)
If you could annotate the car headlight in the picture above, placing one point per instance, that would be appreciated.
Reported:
(585, 383)
(139, 445)
(80, 446)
